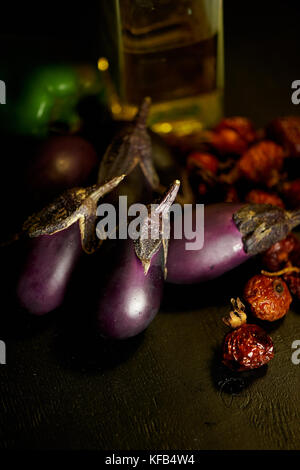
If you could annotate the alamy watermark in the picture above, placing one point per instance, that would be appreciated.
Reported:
(296, 94)
(296, 354)
(187, 223)
(2, 92)
(2, 352)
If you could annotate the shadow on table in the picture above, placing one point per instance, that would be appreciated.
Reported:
(189, 297)
(77, 344)
(234, 388)
(78, 347)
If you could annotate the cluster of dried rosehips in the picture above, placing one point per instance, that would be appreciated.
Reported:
(268, 296)
(234, 162)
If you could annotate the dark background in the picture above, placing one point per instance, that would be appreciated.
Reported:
(165, 389)
(261, 46)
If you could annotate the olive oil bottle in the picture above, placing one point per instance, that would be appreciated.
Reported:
(172, 51)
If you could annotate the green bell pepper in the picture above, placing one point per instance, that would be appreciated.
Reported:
(50, 94)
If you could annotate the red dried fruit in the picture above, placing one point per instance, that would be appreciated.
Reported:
(228, 141)
(202, 160)
(291, 192)
(278, 255)
(262, 163)
(247, 347)
(286, 131)
(295, 253)
(293, 281)
(202, 189)
(231, 194)
(258, 196)
(241, 125)
(269, 298)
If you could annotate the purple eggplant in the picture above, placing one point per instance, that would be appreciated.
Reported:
(132, 289)
(233, 233)
(47, 269)
(58, 235)
(129, 299)
(61, 162)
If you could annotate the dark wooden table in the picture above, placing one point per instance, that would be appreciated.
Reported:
(167, 389)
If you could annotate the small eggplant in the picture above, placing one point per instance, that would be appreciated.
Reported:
(233, 233)
(58, 236)
(61, 162)
(130, 299)
(132, 288)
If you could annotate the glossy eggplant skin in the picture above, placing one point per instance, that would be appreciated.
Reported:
(222, 251)
(61, 162)
(129, 299)
(48, 265)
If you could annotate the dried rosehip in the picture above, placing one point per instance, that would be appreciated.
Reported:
(202, 189)
(283, 258)
(278, 255)
(258, 196)
(293, 281)
(262, 163)
(295, 253)
(286, 131)
(228, 141)
(231, 194)
(269, 297)
(202, 160)
(291, 192)
(247, 347)
(241, 125)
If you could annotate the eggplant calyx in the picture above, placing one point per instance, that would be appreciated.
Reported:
(74, 205)
(155, 230)
(129, 148)
(294, 217)
(262, 225)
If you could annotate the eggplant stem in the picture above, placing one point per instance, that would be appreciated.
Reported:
(262, 225)
(295, 217)
(145, 248)
(168, 198)
(107, 187)
(142, 114)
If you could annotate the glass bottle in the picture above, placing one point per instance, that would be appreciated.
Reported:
(172, 51)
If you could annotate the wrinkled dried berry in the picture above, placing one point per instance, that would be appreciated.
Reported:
(279, 254)
(258, 196)
(293, 281)
(247, 347)
(241, 125)
(269, 297)
(291, 192)
(295, 253)
(231, 194)
(227, 141)
(286, 131)
(262, 163)
(202, 189)
(202, 160)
